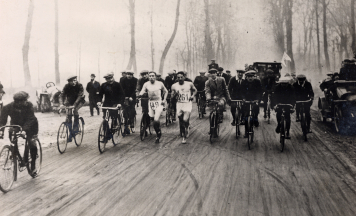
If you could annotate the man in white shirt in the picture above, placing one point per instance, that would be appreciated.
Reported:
(155, 91)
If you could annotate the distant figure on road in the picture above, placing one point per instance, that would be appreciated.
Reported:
(213, 65)
(93, 88)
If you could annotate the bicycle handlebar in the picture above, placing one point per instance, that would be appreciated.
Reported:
(303, 101)
(251, 102)
(236, 100)
(110, 108)
(285, 105)
(11, 126)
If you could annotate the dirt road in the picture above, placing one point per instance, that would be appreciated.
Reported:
(170, 178)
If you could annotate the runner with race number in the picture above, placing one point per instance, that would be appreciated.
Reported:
(155, 91)
(186, 93)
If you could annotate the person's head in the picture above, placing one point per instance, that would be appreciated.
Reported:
(185, 73)
(212, 73)
(284, 81)
(180, 77)
(212, 61)
(129, 74)
(269, 73)
(158, 75)
(220, 71)
(109, 78)
(144, 74)
(301, 78)
(202, 73)
(92, 77)
(152, 76)
(72, 80)
(250, 75)
(228, 72)
(20, 98)
(240, 73)
(123, 73)
(171, 73)
(336, 76)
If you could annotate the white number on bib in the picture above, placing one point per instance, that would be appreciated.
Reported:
(183, 98)
(154, 105)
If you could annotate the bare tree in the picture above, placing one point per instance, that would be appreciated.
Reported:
(56, 55)
(152, 45)
(166, 49)
(26, 45)
(317, 32)
(132, 61)
(208, 42)
(353, 34)
(325, 38)
(289, 35)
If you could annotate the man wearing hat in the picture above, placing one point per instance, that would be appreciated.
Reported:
(140, 83)
(159, 78)
(93, 88)
(235, 90)
(303, 92)
(114, 95)
(251, 91)
(123, 76)
(72, 95)
(213, 65)
(199, 83)
(129, 87)
(216, 88)
(283, 94)
(268, 84)
(227, 76)
(22, 113)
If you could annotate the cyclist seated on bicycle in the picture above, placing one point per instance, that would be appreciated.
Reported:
(72, 95)
(283, 94)
(235, 90)
(216, 88)
(22, 113)
(168, 82)
(251, 91)
(114, 95)
(303, 92)
(129, 87)
(199, 83)
(155, 89)
(268, 84)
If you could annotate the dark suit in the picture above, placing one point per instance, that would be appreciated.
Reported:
(283, 95)
(129, 87)
(268, 85)
(303, 93)
(217, 88)
(93, 89)
(251, 91)
(235, 90)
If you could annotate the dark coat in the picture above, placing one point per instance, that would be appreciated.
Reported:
(227, 78)
(161, 80)
(93, 90)
(268, 84)
(235, 88)
(122, 79)
(303, 93)
(251, 90)
(140, 83)
(215, 65)
(129, 87)
(169, 81)
(219, 89)
(114, 94)
(72, 95)
(24, 116)
(199, 82)
(283, 95)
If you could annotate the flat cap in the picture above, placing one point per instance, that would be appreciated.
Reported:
(21, 95)
(130, 72)
(108, 75)
(71, 78)
(250, 73)
(212, 70)
(284, 80)
(92, 75)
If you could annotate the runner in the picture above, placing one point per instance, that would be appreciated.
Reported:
(156, 104)
(186, 93)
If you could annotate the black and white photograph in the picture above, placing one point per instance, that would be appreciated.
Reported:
(178, 107)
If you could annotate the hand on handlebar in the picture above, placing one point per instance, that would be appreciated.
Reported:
(98, 104)
(130, 99)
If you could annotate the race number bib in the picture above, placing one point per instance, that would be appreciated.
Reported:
(154, 105)
(183, 98)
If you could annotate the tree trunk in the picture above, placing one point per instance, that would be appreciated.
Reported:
(326, 52)
(132, 61)
(317, 33)
(26, 45)
(208, 43)
(166, 49)
(289, 29)
(56, 54)
(152, 45)
(353, 34)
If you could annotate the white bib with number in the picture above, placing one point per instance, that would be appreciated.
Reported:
(154, 104)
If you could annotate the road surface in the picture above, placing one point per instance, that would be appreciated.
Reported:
(198, 178)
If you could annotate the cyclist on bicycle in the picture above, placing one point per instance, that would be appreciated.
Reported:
(235, 90)
(268, 84)
(303, 92)
(72, 95)
(155, 90)
(215, 88)
(22, 113)
(283, 94)
(186, 93)
(251, 91)
(168, 82)
(129, 87)
(199, 83)
(114, 95)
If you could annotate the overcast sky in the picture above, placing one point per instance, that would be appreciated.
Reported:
(103, 26)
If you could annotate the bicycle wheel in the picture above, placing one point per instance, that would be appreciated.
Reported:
(103, 135)
(282, 134)
(249, 133)
(237, 123)
(78, 136)
(7, 168)
(212, 126)
(115, 130)
(38, 160)
(303, 124)
(143, 127)
(269, 115)
(168, 116)
(62, 137)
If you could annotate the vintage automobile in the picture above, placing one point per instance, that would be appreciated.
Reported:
(338, 105)
(261, 68)
(48, 98)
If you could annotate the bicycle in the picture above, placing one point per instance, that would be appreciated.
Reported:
(66, 130)
(110, 128)
(214, 120)
(238, 115)
(145, 123)
(250, 123)
(269, 109)
(282, 131)
(11, 159)
(200, 104)
(169, 113)
(127, 127)
(303, 122)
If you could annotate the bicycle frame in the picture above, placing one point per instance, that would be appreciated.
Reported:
(249, 123)
(282, 123)
(303, 118)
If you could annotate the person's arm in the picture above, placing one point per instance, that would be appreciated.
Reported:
(143, 90)
(226, 91)
(194, 91)
(30, 119)
(88, 88)
(165, 92)
(311, 92)
(5, 112)
(63, 95)
(80, 94)
(207, 90)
